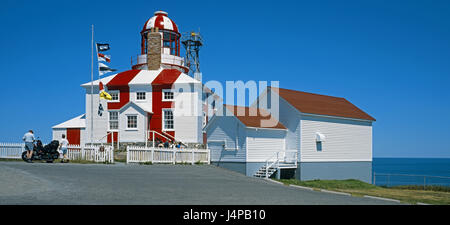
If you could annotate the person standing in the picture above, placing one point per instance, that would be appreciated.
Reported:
(63, 147)
(28, 138)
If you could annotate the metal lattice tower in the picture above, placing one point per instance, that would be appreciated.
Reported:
(192, 42)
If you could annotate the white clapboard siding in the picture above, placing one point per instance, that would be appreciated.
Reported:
(132, 135)
(345, 140)
(264, 143)
(187, 114)
(142, 88)
(100, 122)
(287, 115)
(224, 130)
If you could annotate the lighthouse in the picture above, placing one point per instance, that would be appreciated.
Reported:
(160, 45)
(156, 98)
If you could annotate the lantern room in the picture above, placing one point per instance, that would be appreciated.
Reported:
(160, 36)
(169, 30)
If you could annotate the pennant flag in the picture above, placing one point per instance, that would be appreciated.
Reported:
(102, 47)
(100, 110)
(102, 69)
(104, 58)
(103, 93)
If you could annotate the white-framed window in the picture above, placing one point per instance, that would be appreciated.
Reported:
(140, 96)
(115, 95)
(168, 121)
(132, 122)
(168, 95)
(113, 120)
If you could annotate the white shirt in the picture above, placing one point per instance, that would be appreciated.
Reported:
(28, 137)
(64, 143)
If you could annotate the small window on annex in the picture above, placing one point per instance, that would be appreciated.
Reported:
(140, 95)
(319, 139)
(132, 121)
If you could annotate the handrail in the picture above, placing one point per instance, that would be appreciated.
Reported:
(156, 132)
(276, 161)
(107, 133)
(112, 138)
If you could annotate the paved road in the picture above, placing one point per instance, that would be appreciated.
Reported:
(42, 183)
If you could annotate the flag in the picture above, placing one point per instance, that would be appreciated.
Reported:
(104, 58)
(102, 69)
(102, 47)
(103, 93)
(100, 110)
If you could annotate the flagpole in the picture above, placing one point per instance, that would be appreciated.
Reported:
(92, 85)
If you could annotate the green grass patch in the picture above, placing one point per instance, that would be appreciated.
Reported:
(421, 187)
(11, 160)
(408, 194)
(331, 184)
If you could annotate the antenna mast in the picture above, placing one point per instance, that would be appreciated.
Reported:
(192, 42)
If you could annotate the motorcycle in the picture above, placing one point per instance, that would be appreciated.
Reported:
(48, 152)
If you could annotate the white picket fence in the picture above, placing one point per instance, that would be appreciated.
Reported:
(136, 154)
(74, 152)
(91, 153)
(11, 150)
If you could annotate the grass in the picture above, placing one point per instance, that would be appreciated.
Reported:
(408, 194)
(57, 161)
(12, 160)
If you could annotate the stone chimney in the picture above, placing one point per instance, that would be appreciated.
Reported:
(154, 49)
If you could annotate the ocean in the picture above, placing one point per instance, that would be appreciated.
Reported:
(426, 168)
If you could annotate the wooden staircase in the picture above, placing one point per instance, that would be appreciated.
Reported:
(279, 161)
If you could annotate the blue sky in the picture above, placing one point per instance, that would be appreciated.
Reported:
(390, 58)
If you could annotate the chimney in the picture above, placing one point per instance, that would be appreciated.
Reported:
(154, 49)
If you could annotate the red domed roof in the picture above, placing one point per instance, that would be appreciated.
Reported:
(161, 21)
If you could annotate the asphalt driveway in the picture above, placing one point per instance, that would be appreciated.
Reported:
(42, 183)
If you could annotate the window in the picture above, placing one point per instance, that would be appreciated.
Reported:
(140, 95)
(319, 139)
(114, 96)
(131, 121)
(171, 40)
(168, 119)
(113, 120)
(168, 95)
(319, 146)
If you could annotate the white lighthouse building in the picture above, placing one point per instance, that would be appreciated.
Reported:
(156, 97)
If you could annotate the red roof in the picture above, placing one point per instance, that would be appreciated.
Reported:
(253, 120)
(322, 104)
(123, 78)
(167, 76)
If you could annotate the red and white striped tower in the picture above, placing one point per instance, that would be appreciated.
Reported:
(170, 44)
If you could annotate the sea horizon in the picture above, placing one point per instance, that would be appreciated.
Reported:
(428, 171)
